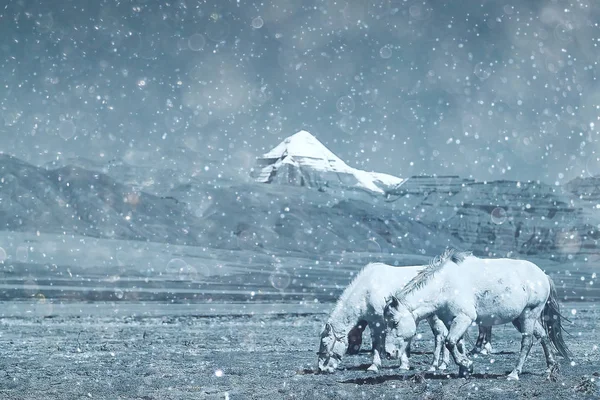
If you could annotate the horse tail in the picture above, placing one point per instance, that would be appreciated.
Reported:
(552, 323)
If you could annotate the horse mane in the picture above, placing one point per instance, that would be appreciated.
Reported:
(349, 291)
(350, 288)
(435, 265)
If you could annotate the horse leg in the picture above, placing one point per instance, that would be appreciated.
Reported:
(525, 324)
(457, 329)
(487, 340)
(445, 352)
(445, 357)
(460, 346)
(540, 334)
(439, 332)
(479, 343)
(403, 352)
(355, 337)
(483, 344)
(378, 339)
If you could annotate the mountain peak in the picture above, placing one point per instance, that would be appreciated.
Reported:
(302, 134)
(303, 144)
(302, 159)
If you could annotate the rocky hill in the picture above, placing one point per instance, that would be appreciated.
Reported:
(507, 217)
(421, 216)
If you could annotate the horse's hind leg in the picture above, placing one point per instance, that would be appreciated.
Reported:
(487, 341)
(526, 325)
(484, 341)
(479, 342)
(482, 345)
(355, 337)
(540, 334)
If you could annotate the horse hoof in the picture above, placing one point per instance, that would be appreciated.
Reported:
(373, 368)
(513, 376)
(404, 367)
(432, 369)
(325, 370)
(487, 349)
(443, 367)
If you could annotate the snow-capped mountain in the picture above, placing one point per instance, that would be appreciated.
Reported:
(303, 160)
(73, 200)
(422, 216)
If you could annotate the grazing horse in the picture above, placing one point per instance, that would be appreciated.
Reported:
(361, 305)
(462, 289)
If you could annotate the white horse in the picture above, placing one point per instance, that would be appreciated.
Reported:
(361, 305)
(462, 289)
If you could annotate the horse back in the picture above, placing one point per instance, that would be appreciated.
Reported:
(501, 288)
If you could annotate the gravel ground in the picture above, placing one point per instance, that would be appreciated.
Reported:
(116, 351)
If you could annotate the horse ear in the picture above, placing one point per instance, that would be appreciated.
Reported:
(329, 331)
(394, 302)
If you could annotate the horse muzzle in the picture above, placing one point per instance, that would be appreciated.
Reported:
(325, 369)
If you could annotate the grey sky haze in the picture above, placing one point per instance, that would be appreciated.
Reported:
(492, 89)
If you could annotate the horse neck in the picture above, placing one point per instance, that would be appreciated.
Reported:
(426, 300)
(348, 312)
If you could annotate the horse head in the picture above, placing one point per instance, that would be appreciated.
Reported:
(391, 302)
(331, 349)
(400, 327)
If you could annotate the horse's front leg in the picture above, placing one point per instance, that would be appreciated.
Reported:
(355, 337)
(439, 332)
(404, 351)
(378, 339)
(459, 326)
(445, 356)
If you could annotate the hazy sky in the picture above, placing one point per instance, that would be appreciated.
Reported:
(492, 89)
